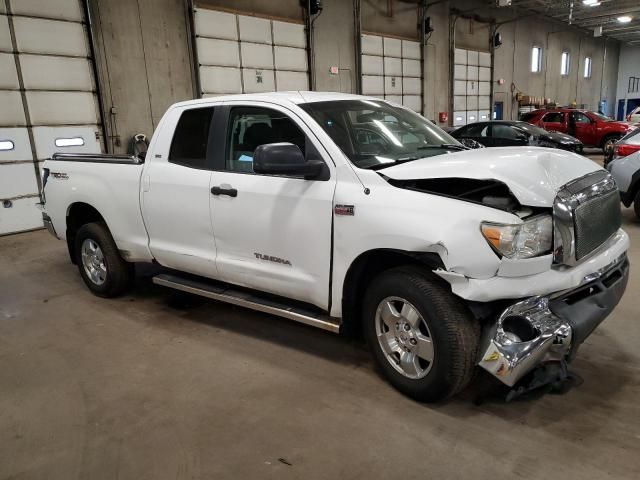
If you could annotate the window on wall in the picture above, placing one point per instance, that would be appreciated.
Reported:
(536, 59)
(564, 64)
(587, 67)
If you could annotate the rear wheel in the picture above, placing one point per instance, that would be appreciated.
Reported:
(102, 268)
(422, 337)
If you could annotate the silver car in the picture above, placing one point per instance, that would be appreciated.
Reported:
(626, 172)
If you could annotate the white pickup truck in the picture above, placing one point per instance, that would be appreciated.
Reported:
(348, 212)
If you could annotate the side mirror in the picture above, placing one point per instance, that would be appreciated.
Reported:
(285, 159)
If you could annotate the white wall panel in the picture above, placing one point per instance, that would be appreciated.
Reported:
(459, 118)
(392, 47)
(472, 102)
(472, 87)
(23, 215)
(410, 49)
(472, 57)
(289, 58)
(459, 87)
(62, 73)
(472, 116)
(8, 73)
(214, 24)
(411, 86)
(372, 65)
(460, 102)
(45, 140)
(393, 85)
(484, 102)
(413, 102)
(289, 34)
(220, 80)
(36, 35)
(292, 80)
(12, 111)
(58, 108)
(460, 56)
(21, 147)
(255, 55)
(372, 45)
(484, 88)
(254, 29)
(17, 179)
(5, 35)
(372, 85)
(255, 80)
(223, 53)
(394, 98)
(411, 68)
(460, 72)
(484, 59)
(392, 66)
(483, 115)
(472, 72)
(484, 74)
(62, 9)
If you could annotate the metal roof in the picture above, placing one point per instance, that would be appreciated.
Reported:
(575, 12)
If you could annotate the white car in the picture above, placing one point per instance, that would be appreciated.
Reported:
(347, 212)
(634, 115)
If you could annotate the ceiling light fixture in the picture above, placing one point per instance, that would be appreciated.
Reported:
(591, 3)
(625, 19)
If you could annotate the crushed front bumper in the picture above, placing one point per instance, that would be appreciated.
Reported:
(551, 328)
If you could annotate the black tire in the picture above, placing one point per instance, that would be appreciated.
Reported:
(119, 273)
(453, 330)
(636, 204)
(609, 138)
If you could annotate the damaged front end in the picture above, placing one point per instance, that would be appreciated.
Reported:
(543, 329)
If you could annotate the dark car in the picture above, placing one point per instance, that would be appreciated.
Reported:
(512, 133)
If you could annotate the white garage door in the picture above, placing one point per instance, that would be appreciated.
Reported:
(391, 70)
(47, 93)
(471, 86)
(243, 54)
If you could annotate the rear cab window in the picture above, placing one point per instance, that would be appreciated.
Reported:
(191, 138)
(553, 117)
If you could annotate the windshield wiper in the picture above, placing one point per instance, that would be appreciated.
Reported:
(450, 146)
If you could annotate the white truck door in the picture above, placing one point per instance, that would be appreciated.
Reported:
(175, 192)
(272, 233)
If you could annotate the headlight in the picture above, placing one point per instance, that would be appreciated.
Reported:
(530, 238)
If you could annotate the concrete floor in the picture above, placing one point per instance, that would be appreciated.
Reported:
(134, 388)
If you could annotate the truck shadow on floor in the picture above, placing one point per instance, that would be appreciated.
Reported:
(603, 378)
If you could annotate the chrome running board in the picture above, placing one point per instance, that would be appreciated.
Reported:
(228, 294)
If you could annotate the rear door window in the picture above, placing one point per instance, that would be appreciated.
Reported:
(191, 138)
(553, 117)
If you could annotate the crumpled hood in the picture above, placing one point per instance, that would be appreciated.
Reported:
(534, 175)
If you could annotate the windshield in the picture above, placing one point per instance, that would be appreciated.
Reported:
(601, 117)
(374, 134)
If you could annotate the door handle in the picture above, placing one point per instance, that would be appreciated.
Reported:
(232, 192)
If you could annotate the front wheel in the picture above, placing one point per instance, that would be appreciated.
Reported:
(608, 142)
(102, 268)
(422, 337)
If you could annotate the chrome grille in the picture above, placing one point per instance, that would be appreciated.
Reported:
(595, 221)
(586, 213)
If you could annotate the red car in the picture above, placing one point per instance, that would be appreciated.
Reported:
(592, 129)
